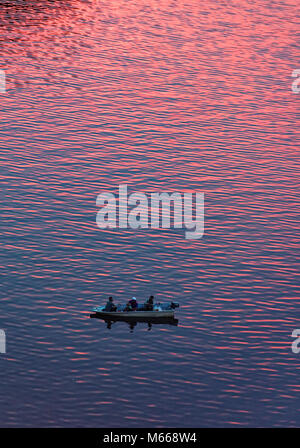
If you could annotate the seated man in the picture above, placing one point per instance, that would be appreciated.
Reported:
(133, 303)
(149, 304)
(128, 306)
(110, 306)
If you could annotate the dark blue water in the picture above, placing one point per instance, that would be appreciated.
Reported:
(162, 96)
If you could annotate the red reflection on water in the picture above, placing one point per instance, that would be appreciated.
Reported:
(162, 96)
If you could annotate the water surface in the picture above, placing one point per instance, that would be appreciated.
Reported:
(162, 96)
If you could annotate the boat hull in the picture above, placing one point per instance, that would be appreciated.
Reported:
(135, 314)
(130, 321)
(159, 311)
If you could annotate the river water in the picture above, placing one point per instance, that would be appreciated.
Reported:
(164, 96)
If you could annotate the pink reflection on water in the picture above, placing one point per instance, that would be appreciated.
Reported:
(165, 97)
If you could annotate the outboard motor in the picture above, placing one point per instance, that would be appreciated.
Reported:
(174, 305)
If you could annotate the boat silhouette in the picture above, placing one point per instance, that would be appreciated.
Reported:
(133, 321)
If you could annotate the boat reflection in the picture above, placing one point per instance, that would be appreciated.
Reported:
(132, 322)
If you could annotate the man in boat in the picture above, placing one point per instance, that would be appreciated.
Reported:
(128, 306)
(110, 306)
(133, 304)
(149, 304)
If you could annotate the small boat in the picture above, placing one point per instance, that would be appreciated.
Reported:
(133, 322)
(165, 310)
